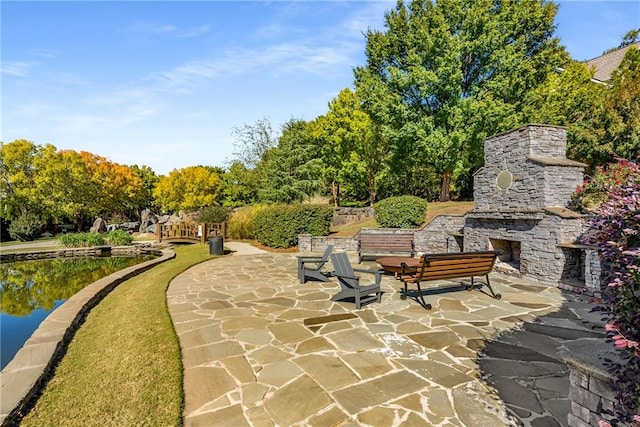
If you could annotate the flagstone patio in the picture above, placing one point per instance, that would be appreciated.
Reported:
(260, 349)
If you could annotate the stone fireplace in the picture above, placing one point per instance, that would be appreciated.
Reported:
(521, 199)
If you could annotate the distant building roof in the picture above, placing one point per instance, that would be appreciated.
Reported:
(607, 63)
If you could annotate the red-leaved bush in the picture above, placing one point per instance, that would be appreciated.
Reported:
(615, 229)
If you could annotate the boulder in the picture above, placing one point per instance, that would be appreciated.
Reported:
(147, 219)
(99, 226)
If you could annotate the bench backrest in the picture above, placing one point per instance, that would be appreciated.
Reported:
(455, 265)
(386, 242)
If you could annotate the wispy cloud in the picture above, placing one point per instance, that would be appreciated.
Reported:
(145, 27)
(193, 32)
(17, 68)
(278, 59)
(169, 29)
(44, 53)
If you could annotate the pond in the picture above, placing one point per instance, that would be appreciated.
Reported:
(30, 290)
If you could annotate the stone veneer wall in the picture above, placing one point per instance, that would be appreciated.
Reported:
(308, 243)
(442, 234)
(589, 389)
(593, 271)
(541, 259)
(524, 152)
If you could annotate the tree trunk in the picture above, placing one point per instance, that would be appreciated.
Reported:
(335, 192)
(372, 189)
(446, 184)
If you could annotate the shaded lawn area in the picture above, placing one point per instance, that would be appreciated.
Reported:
(123, 366)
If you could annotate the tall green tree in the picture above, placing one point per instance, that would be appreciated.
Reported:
(444, 75)
(293, 168)
(239, 185)
(149, 181)
(571, 98)
(621, 118)
(353, 148)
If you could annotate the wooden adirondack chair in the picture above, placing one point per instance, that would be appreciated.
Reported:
(310, 267)
(350, 283)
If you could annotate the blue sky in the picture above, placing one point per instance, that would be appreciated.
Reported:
(163, 83)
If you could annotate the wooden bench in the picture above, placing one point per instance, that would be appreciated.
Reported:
(373, 245)
(448, 266)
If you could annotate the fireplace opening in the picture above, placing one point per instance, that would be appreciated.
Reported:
(509, 254)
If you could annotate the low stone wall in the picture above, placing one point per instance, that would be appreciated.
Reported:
(589, 388)
(132, 250)
(442, 234)
(439, 235)
(308, 243)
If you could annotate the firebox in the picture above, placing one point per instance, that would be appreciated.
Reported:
(509, 254)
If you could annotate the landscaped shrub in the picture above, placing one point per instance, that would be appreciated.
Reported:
(80, 240)
(401, 212)
(595, 189)
(240, 222)
(215, 214)
(615, 229)
(25, 228)
(119, 238)
(278, 226)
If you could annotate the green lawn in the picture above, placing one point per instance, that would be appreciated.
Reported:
(123, 367)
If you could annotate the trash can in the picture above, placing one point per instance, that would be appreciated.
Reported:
(216, 245)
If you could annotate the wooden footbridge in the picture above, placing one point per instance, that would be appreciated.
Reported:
(190, 232)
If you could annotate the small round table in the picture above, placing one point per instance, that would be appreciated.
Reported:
(392, 264)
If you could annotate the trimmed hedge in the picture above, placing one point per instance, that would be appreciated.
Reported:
(401, 212)
(278, 226)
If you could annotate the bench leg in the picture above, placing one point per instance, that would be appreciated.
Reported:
(496, 296)
(420, 298)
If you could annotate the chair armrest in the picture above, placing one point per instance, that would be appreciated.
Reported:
(333, 273)
(378, 273)
(309, 259)
(364, 270)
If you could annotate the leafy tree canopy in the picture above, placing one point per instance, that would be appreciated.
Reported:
(446, 74)
(189, 188)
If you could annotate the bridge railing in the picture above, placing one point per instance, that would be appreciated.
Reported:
(190, 231)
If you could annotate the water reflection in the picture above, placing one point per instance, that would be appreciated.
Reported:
(30, 290)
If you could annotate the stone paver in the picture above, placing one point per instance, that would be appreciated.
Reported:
(270, 351)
